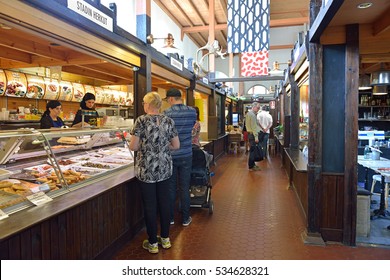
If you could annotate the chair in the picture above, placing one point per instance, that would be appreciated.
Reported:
(271, 146)
(378, 178)
(234, 142)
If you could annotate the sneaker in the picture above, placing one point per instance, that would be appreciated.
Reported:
(172, 222)
(152, 248)
(255, 168)
(187, 222)
(164, 242)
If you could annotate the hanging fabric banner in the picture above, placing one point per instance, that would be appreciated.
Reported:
(254, 64)
(248, 25)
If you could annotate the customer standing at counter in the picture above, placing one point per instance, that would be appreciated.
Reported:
(253, 134)
(184, 118)
(265, 122)
(50, 117)
(153, 136)
(196, 129)
(87, 103)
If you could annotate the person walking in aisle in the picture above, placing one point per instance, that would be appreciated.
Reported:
(253, 134)
(154, 136)
(184, 118)
(264, 119)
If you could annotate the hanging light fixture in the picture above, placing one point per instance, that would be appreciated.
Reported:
(169, 40)
(381, 77)
(364, 82)
(379, 90)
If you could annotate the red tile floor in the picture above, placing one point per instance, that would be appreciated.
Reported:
(255, 217)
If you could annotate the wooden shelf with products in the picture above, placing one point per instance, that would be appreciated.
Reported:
(373, 107)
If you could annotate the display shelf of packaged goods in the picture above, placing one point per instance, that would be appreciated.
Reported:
(57, 161)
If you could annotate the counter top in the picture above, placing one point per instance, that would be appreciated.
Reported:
(297, 159)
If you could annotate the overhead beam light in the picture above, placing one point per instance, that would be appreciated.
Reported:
(364, 5)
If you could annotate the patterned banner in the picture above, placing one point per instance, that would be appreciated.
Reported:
(248, 25)
(254, 64)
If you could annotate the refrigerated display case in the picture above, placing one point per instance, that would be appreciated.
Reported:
(37, 166)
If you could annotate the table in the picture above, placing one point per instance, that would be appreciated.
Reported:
(381, 166)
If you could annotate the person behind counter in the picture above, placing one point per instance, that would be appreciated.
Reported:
(50, 117)
(87, 103)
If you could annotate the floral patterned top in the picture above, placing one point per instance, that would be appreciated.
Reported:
(154, 161)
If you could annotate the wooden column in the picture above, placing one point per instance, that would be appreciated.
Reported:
(314, 166)
(351, 133)
(294, 125)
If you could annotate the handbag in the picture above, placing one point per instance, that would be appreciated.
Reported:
(258, 153)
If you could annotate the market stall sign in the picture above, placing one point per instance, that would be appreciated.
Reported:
(90, 12)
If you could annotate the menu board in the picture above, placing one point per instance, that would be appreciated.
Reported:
(3, 82)
(66, 91)
(99, 94)
(16, 84)
(35, 87)
(52, 89)
(78, 92)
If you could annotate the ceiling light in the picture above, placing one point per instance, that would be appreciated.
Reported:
(364, 82)
(364, 5)
(169, 40)
(379, 90)
(381, 77)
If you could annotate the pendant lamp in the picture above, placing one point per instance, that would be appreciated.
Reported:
(379, 90)
(381, 77)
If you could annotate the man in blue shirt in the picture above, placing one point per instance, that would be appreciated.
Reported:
(184, 118)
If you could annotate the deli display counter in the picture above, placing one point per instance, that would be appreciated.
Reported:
(74, 183)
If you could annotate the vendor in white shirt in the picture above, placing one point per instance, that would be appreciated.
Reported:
(264, 120)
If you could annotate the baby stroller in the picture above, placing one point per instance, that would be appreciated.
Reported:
(200, 186)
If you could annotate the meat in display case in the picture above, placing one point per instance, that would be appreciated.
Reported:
(37, 166)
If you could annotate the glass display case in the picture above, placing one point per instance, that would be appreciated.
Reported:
(37, 166)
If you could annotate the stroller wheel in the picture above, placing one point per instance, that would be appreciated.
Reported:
(211, 207)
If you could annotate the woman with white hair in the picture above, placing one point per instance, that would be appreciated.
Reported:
(153, 137)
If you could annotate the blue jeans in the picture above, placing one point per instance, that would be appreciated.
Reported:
(264, 143)
(180, 181)
(156, 199)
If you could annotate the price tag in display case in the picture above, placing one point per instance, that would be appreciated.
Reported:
(3, 215)
(39, 198)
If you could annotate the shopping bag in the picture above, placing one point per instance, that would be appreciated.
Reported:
(258, 153)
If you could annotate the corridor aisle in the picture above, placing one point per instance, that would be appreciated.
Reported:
(255, 217)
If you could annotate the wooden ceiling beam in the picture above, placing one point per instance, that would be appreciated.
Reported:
(273, 23)
(382, 24)
(197, 13)
(32, 48)
(375, 58)
(89, 74)
(12, 54)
